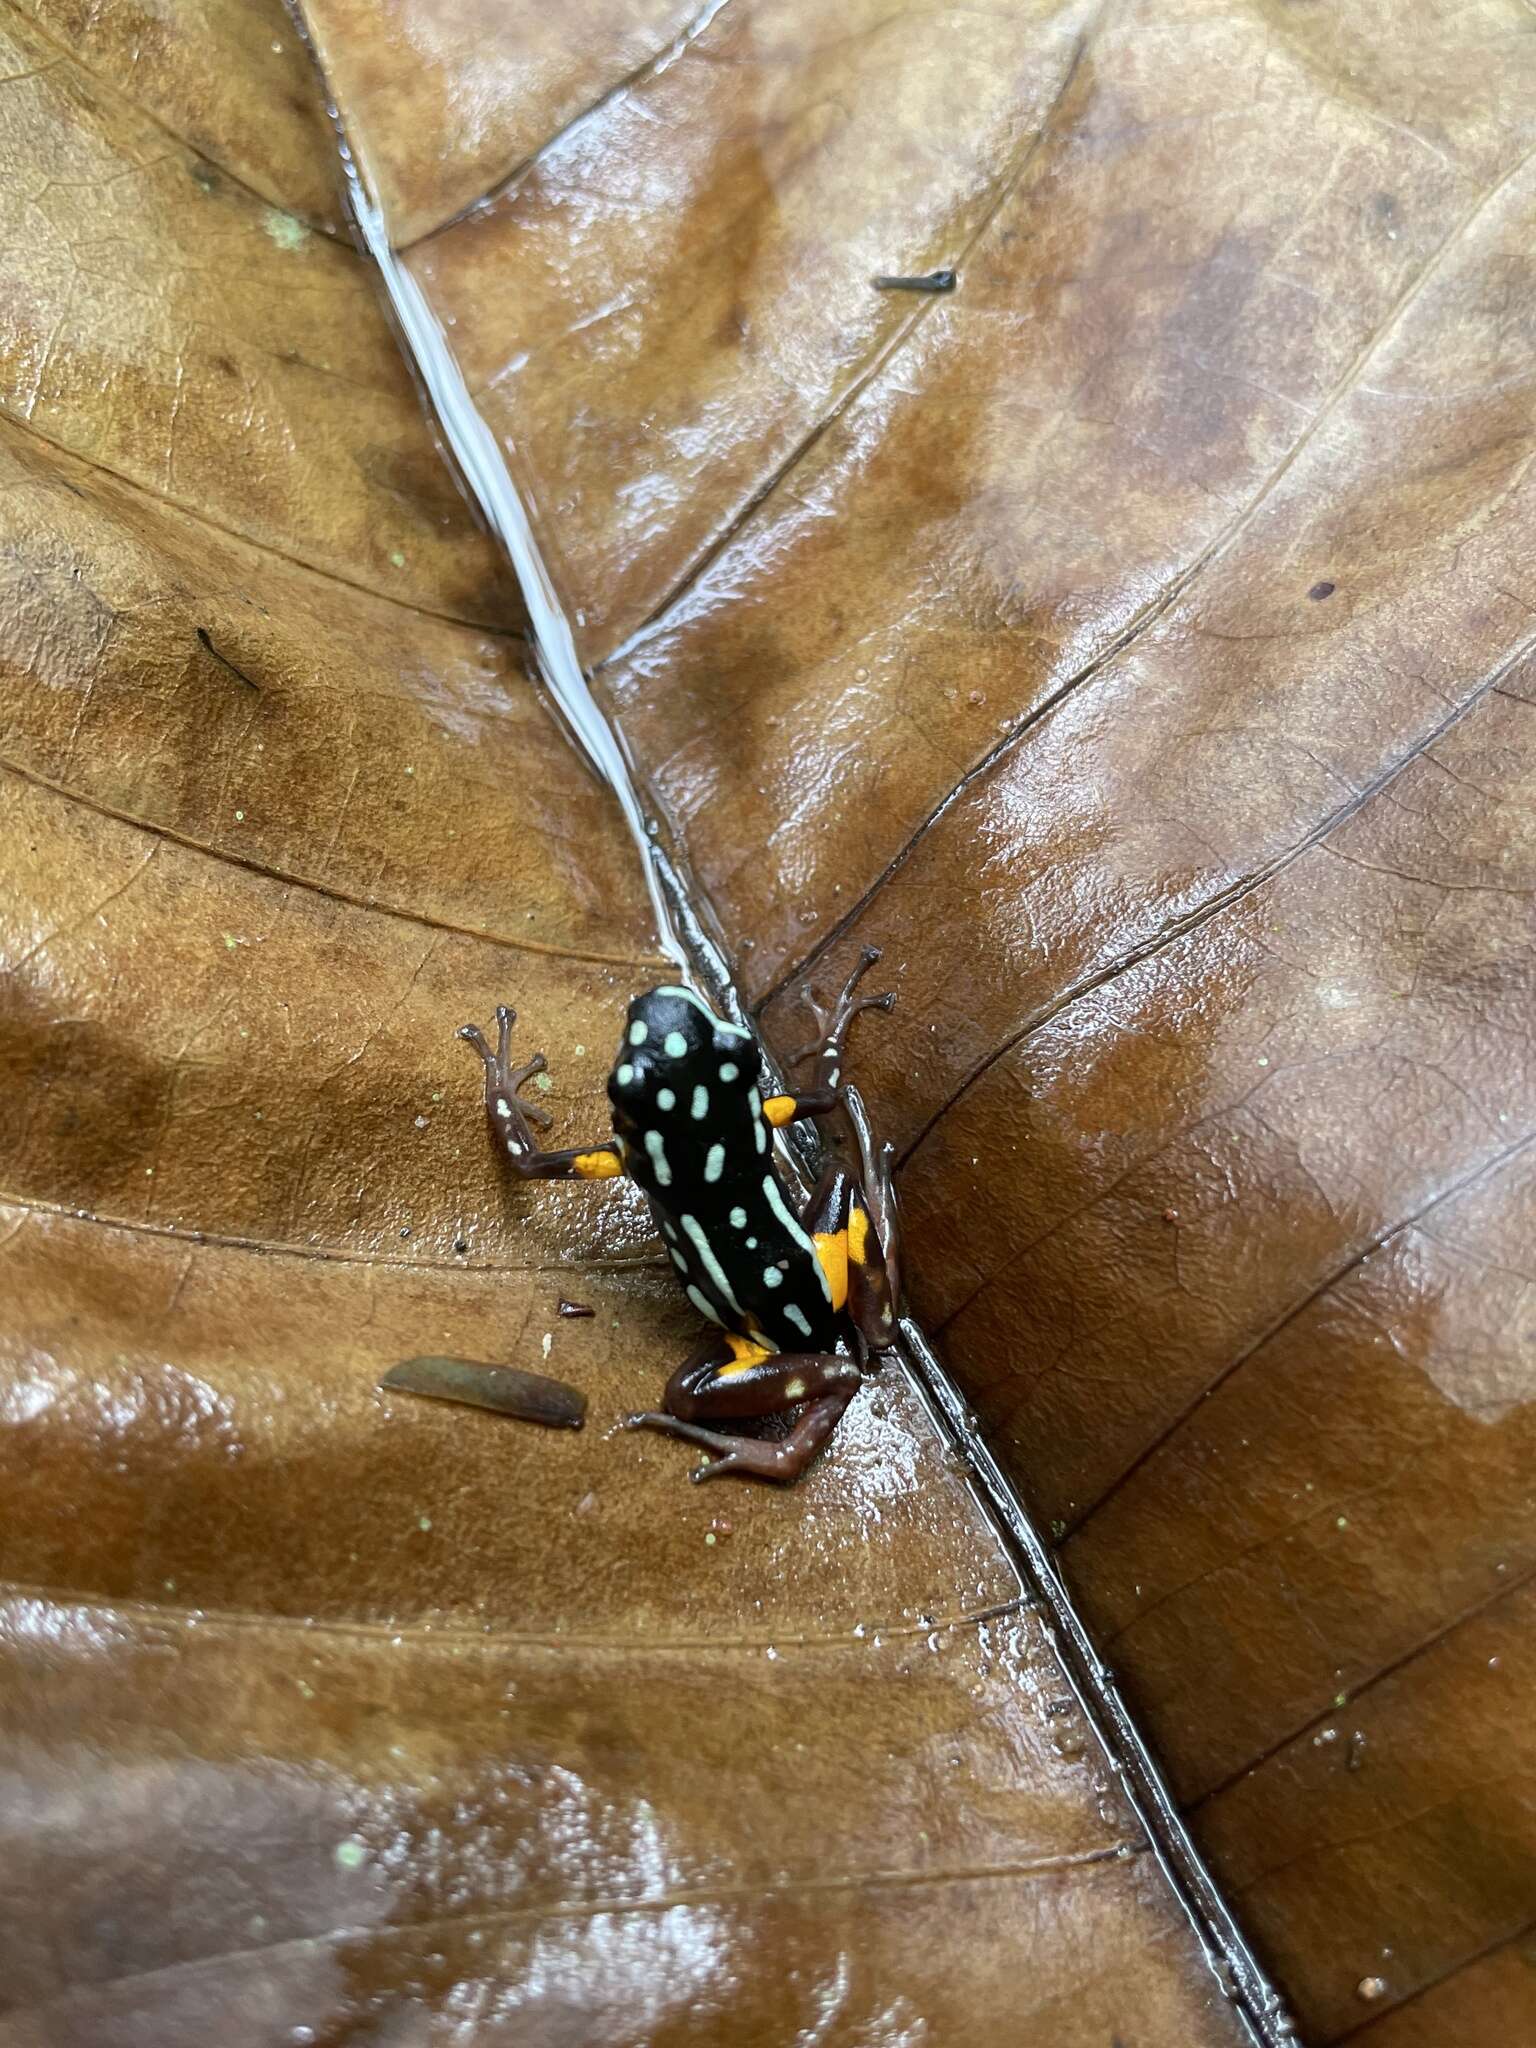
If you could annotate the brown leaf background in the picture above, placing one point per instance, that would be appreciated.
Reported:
(1136, 644)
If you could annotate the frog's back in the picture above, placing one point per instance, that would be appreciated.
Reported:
(687, 1107)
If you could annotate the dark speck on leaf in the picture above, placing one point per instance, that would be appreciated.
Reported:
(576, 1308)
(461, 1245)
(223, 659)
(1321, 590)
(932, 281)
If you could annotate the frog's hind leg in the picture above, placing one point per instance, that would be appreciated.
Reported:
(853, 1221)
(731, 1378)
(874, 1237)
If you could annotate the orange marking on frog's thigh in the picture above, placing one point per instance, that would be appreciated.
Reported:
(858, 1234)
(779, 1110)
(744, 1355)
(832, 1250)
(596, 1166)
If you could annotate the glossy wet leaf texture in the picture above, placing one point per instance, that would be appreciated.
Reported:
(1138, 643)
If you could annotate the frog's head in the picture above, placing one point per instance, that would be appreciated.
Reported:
(674, 1057)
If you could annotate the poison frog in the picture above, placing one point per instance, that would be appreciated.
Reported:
(802, 1296)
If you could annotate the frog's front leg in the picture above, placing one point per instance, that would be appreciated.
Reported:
(511, 1118)
(730, 1378)
(827, 1086)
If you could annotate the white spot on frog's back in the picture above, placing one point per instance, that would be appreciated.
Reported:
(797, 1316)
(503, 1107)
(657, 1153)
(738, 1219)
(729, 1070)
(759, 1128)
(795, 1228)
(639, 1031)
(686, 995)
(624, 1075)
(714, 1166)
(702, 1302)
(712, 1266)
(700, 1104)
(665, 1099)
(772, 1277)
(675, 1046)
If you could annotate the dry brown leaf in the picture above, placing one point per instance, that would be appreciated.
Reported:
(330, 1715)
(1135, 643)
(1138, 645)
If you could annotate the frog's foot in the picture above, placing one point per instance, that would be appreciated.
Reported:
(780, 1459)
(833, 1024)
(508, 1111)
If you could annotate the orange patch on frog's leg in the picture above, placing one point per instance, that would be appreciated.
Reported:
(832, 1249)
(745, 1353)
(597, 1165)
(779, 1110)
(858, 1234)
(870, 1301)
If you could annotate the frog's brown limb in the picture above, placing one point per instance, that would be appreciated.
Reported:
(731, 1378)
(853, 1222)
(874, 1254)
(512, 1118)
(872, 1280)
(827, 1050)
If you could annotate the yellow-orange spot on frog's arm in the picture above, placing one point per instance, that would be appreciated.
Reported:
(779, 1110)
(744, 1355)
(832, 1250)
(858, 1234)
(597, 1166)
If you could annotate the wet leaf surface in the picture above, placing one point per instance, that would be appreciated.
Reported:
(1137, 643)
(329, 1713)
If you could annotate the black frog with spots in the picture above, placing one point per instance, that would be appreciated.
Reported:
(802, 1299)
